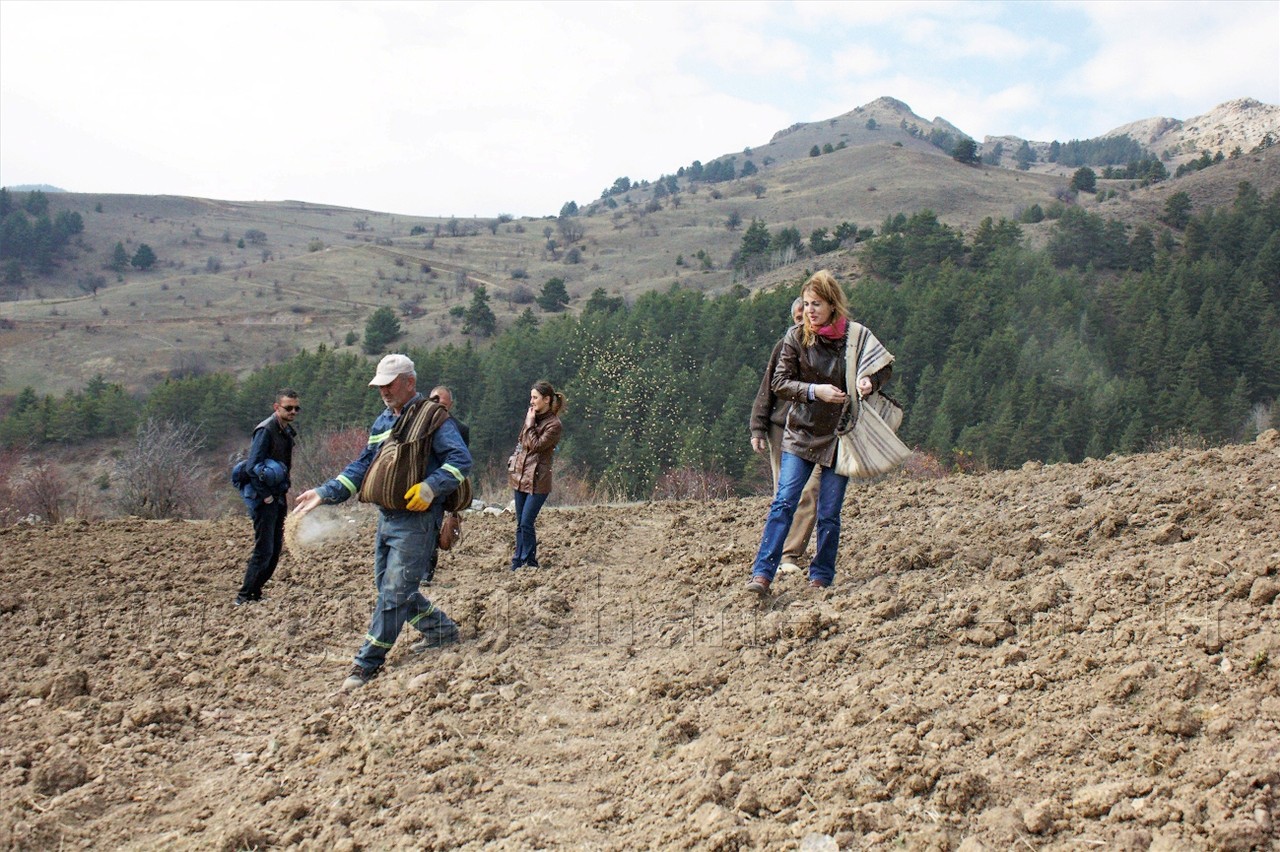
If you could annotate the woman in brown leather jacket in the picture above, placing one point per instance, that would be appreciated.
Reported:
(529, 468)
(811, 373)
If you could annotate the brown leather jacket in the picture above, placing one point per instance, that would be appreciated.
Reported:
(811, 424)
(768, 408)
(529, 468)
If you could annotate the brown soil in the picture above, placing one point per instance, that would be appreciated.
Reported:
(1064, 657)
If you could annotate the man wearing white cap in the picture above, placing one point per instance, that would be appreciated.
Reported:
(407, 531)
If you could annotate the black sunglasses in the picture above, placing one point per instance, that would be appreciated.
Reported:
(292, 407)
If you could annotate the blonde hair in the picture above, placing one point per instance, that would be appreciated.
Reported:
(823, 285)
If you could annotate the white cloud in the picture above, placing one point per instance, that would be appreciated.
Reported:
(985, 41)
(1188, 56)
(859, 60)
(823, 13)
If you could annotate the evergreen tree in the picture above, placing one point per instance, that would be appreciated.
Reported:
(13, 273)
(601, 302)
(119, 258)
(382, 329)
(785, 238)
(1084, 180)
(1024, 156)
(479, 319)
(37, 203)
(755, 241)
(525, 322)
(1177, 210)
(144, 258)
(554, 296)
(1142, 249)
(965, 151)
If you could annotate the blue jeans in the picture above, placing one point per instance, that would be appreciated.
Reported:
(268, 541)
(527, 508)
(402, 551)
(793, 473)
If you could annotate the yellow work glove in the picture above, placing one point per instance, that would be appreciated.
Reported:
(419, 497)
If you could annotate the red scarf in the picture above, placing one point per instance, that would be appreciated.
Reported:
(835, 330)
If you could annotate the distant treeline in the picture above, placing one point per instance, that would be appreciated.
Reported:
(1003, 352)
(1102, 151)
(31, 239)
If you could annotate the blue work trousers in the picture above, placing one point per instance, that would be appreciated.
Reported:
(402, 551)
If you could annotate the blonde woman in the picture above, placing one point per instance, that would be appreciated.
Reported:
(811, 373)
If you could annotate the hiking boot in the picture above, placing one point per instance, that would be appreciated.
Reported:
(759, 585)
(788, 568)
(241, 600)
(436, 640)
(359, 677)
(818, 584)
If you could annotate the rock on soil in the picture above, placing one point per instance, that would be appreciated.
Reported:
(1059, 657)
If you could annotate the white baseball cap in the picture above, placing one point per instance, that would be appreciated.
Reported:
(390, 368)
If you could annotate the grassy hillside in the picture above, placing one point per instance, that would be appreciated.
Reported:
(217, 300)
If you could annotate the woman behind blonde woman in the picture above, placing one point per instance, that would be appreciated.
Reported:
(530, 468)
(811, 373)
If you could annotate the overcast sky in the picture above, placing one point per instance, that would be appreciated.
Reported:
(481, 108)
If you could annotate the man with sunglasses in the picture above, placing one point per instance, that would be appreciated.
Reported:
(267, 491)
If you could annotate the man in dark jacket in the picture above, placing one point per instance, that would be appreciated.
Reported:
(443, 395)
(768, 418)
(265, 494)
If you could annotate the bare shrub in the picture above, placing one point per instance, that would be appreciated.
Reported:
(324, 455)
(1262, 417)
(1177, 439)
(493, 486)
(923, 465)
(41, 491)
(37, 493)
(963, 461)
(577, 487)
(84, 501)
(9, 512)
(160, 475)
(685, 483)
